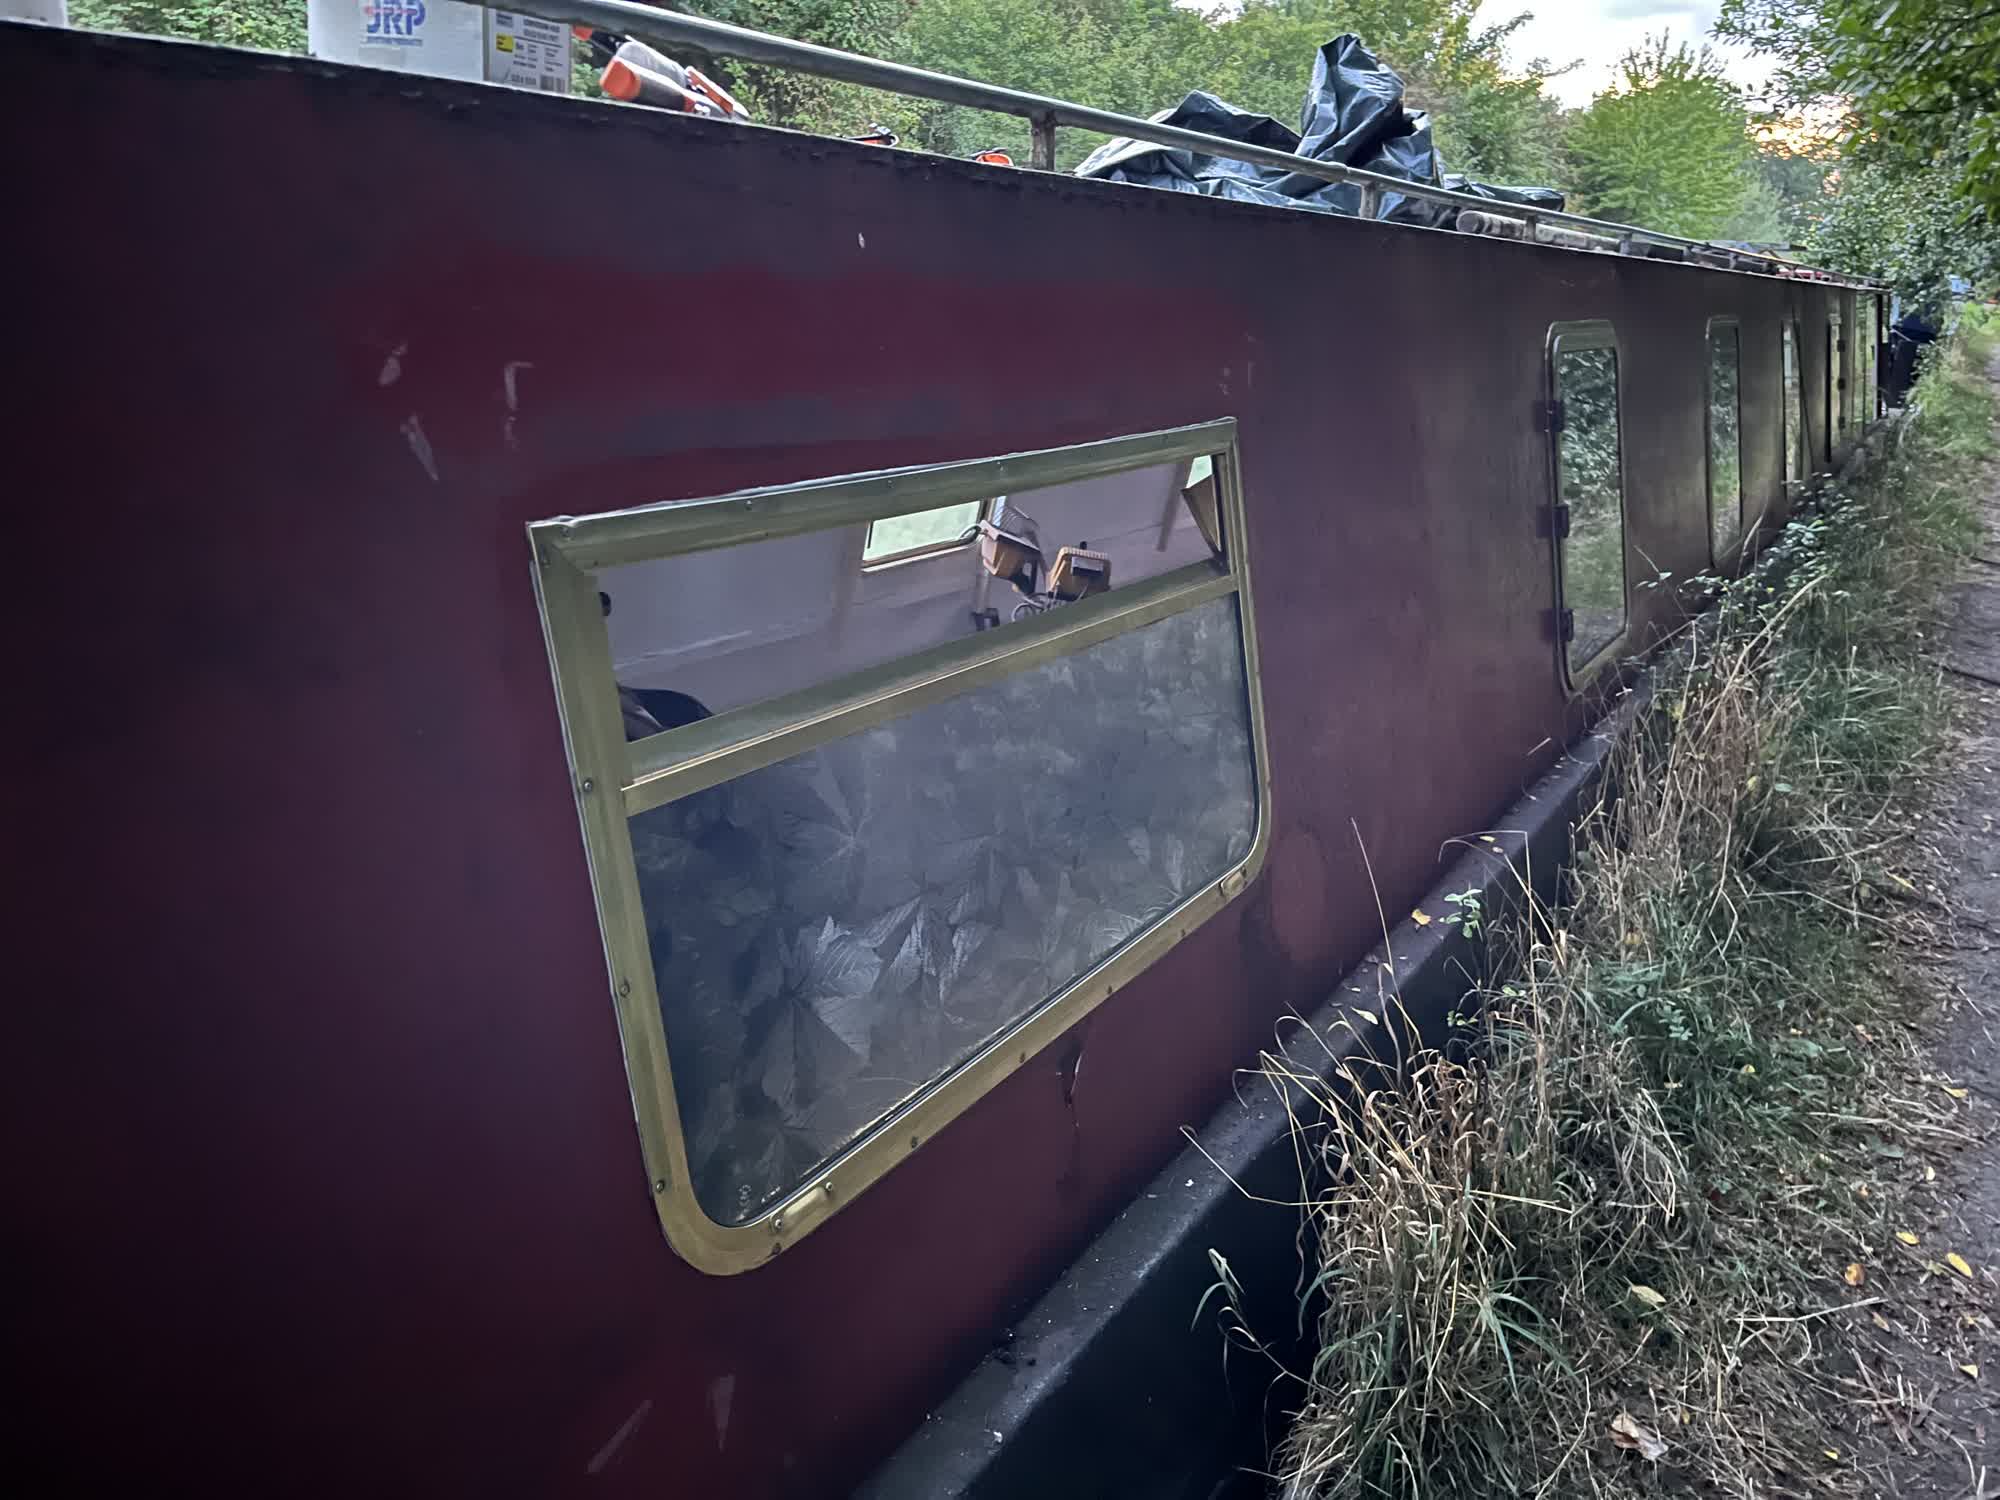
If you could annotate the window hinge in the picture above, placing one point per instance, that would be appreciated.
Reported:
(1552, 416)
(1565, 625)
(1559, 521)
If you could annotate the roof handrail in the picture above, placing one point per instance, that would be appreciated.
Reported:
(1045, 114)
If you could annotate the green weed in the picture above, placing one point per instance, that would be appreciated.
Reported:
(1609, 1218)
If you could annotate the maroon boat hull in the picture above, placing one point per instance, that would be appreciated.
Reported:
(323, 1159)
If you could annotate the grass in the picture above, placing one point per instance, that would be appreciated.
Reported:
(1603, 1233)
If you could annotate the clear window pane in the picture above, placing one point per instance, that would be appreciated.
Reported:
(833, 933)
(1725, 459)
(1591, 484)
(1857, 411)
(1869, 340)
(710, 631)
(1794, 395)
(926, 529)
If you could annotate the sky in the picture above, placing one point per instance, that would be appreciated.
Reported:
(1594, 33)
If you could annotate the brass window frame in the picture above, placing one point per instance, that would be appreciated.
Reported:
(1592, 333)
(613, 781)
(1708, 434)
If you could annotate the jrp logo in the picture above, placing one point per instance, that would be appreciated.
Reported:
(393, 23)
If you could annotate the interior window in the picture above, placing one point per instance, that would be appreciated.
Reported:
(1725, 459)
(924, 531)
(1590, 485)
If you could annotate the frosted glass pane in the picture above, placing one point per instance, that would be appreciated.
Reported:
(834, 932)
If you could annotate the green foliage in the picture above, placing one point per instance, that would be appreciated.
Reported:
(1490, 123)
(1794, 35)
(1668, 147)
(275, 25)
(1725, 439)
(1784, 190)
(1135, 57)
(778, 97)
(1793, 178)
(1911, 91)
(1143, 56)
(1919, 80)
(1599, 1207)
(1759, 219)
(1592, 480)
(1905, 224)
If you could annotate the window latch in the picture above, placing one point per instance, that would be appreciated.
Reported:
(1559, 521)
(1565, 625)
(1552, 416)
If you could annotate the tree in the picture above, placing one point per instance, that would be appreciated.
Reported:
(275, 25)
(1785, 189)
(1796, 179)
(1490, 123)
(1142, 56)
(1487, 121)
(1919, 80)
(1135, 56)
(1668, 146)
(778, 97)
(1759, 219)
(1907, 226)
(1066, 50)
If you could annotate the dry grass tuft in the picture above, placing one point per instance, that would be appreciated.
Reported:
(1597, 1239)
